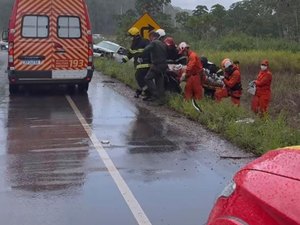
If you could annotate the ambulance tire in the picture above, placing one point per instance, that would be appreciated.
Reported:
(13, 89)
(83, 88)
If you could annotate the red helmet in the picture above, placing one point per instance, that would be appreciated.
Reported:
(265, 62)
(170, 42)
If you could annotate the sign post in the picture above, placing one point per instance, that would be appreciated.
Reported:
(146, 24)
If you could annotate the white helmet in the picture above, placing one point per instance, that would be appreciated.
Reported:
(161, 32)
(182, 47)
(228, 64)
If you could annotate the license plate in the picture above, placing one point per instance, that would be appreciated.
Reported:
(31, 62)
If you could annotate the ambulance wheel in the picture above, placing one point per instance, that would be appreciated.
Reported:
(83, 87)
(13, 89)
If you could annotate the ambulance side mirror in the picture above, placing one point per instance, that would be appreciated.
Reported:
(5, 35)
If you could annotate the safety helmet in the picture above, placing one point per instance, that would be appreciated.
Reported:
(161, 32)
(133, 31)
(182, 47)
(265, 62)
(226, 63)
(169, 42)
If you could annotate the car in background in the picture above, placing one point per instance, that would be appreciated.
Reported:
(265, 192)
(109, 49)
(3, 45)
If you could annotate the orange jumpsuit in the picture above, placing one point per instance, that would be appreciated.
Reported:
(233, 88)
(262, 97)
(194, 69)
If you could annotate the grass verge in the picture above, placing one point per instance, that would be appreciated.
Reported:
(222, 118)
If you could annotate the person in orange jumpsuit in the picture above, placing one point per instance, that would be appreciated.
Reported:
(262, 97)
(232, 83)
(192, 75)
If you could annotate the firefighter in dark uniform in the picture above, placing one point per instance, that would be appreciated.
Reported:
(155, 76)
(141, 60)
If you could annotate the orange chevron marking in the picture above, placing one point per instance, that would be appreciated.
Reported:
(76, 50)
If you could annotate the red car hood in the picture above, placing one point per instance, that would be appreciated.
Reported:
(282, 162)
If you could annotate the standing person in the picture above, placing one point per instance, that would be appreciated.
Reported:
(232, 83)
(173, 56)
(172, 51)
(141, 60)
(193, 88)
(155, 76)
(262, 97)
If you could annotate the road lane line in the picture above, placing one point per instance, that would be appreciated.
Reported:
(128, 196)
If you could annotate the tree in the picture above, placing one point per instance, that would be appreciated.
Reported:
(218, 18)
(200, 10)
(152, 7)
(124, 22)
(182, 18)
(5, 7)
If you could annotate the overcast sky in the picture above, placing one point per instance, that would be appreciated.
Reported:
(191, 4)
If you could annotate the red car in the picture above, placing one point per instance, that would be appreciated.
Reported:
(265, 192)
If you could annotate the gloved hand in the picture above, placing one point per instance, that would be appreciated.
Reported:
(220, 83)
(124, 60)
(178, 67)
(210, 80)
(183, 77)
(140, 60)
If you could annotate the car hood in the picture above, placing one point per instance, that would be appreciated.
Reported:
(283, 162)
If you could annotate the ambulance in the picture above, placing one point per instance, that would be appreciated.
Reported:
(50, 42)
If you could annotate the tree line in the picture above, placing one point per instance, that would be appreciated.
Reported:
(245, 25)
(258, 18)
(279, 19)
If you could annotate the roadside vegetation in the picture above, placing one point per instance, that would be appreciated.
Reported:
(249, 31)
(279, 130)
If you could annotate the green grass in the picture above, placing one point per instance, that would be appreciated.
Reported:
(258, 137)
(280, 61)
(285, 66)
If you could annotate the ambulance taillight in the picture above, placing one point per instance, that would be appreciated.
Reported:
(90, 55)
(11, 64)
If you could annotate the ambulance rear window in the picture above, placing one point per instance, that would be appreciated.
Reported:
(35, 26)
(69, 27)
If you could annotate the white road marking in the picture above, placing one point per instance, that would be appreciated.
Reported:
(131, 201)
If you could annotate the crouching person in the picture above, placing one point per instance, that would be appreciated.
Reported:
(232, 83)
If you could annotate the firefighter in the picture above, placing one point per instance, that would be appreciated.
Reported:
(155, 76)
(141, 60)
(192, 75)
(262, 97)
(232, 83)
(172, 50)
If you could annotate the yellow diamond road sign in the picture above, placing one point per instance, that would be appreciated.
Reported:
(146, 24)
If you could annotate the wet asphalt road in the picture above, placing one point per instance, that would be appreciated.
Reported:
(51, 173)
